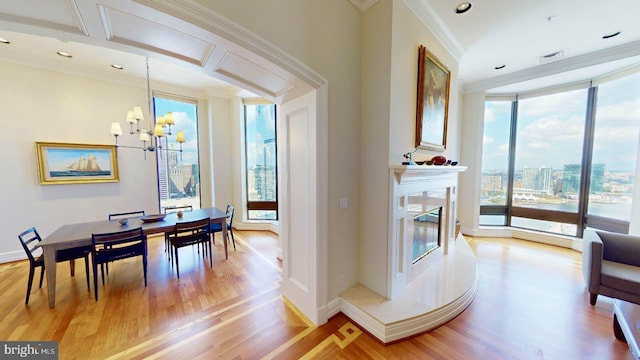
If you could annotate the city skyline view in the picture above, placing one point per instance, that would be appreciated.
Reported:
(551, 132)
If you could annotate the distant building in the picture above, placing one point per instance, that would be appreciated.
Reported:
(537, 178)
(571, 178)
(491, 183)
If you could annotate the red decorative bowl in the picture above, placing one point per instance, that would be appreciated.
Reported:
(439, 160)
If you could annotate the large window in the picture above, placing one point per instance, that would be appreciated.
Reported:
(261, 167)
(495, 161)
(558, 163)
(615, 145)
(178, 172)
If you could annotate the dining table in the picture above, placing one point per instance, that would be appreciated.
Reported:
(79, 235)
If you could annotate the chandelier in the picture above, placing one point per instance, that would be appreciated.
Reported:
(135, 117)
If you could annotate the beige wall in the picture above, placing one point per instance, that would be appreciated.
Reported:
(392, 35)
(376, 93)
(325, 36)
(41, 105)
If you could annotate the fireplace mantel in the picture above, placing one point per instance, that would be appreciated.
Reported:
(433, 289)
(406, 174)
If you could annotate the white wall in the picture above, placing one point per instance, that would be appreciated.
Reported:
(471, 156)
(222, 149)
(374, 149)
(392, 35)
(41, 105)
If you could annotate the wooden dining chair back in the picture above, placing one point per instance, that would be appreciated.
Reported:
(191, 233)
(170, 209)
(108, 247)
(217, 227)
(124, 215)
(30, 239)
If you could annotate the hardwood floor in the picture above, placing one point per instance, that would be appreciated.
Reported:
(531, 304)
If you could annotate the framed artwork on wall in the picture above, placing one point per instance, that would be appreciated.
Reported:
(64, 163)
(432, 105)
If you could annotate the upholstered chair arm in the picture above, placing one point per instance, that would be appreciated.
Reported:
(591, 260)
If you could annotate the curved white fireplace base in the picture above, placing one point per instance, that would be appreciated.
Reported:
(438, 295)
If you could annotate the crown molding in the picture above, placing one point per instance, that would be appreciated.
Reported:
(363, 5)
(573, 63)
(423, 11)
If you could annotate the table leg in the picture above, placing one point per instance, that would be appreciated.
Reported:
(224, 237)
(49, 253)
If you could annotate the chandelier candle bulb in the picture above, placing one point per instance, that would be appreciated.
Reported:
(180, 137)
(158, 132)
(116, 130)
(137, 113)
(130, 118)
(168, 119)
(160, 121)
(144, 136)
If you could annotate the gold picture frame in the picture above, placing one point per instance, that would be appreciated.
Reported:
(432, 108)
(65, 163)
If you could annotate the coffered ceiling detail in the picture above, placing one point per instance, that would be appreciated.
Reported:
(58, 15)
(129, 29)
(237, 67)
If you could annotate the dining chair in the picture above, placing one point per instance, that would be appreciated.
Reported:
(191, 233)
(124, 215)
(107, 247)
(217, 227)
(173, 209)
(30, 238)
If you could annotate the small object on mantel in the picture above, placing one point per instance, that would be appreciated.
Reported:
(408, 157)
(439, 160)
(180, 213)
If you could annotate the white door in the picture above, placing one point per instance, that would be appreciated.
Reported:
(297, 129)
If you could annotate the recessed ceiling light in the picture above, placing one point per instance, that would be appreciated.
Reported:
(116, 66)
(551, 57)
(609, 36)
(64, 54)
(500, 67)
(4, 41)
(463, 8)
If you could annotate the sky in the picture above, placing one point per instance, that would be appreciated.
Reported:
(550, 128)
(186, 119)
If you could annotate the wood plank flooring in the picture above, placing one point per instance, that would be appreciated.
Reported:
(531, 304)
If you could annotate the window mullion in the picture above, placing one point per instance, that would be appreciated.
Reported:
(587, 156)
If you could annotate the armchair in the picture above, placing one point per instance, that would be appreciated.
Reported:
(611, 265)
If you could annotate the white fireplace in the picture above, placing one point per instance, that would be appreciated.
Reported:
(432, 277)
(416, 194)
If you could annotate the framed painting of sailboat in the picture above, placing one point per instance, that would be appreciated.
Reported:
(64, 163)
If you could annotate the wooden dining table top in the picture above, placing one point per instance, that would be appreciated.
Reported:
(72, 235)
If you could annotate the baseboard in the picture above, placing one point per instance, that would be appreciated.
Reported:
(333, 308)
(12, 256)
(258, 226)
(529, 235)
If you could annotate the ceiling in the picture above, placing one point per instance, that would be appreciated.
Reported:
(516, 34)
